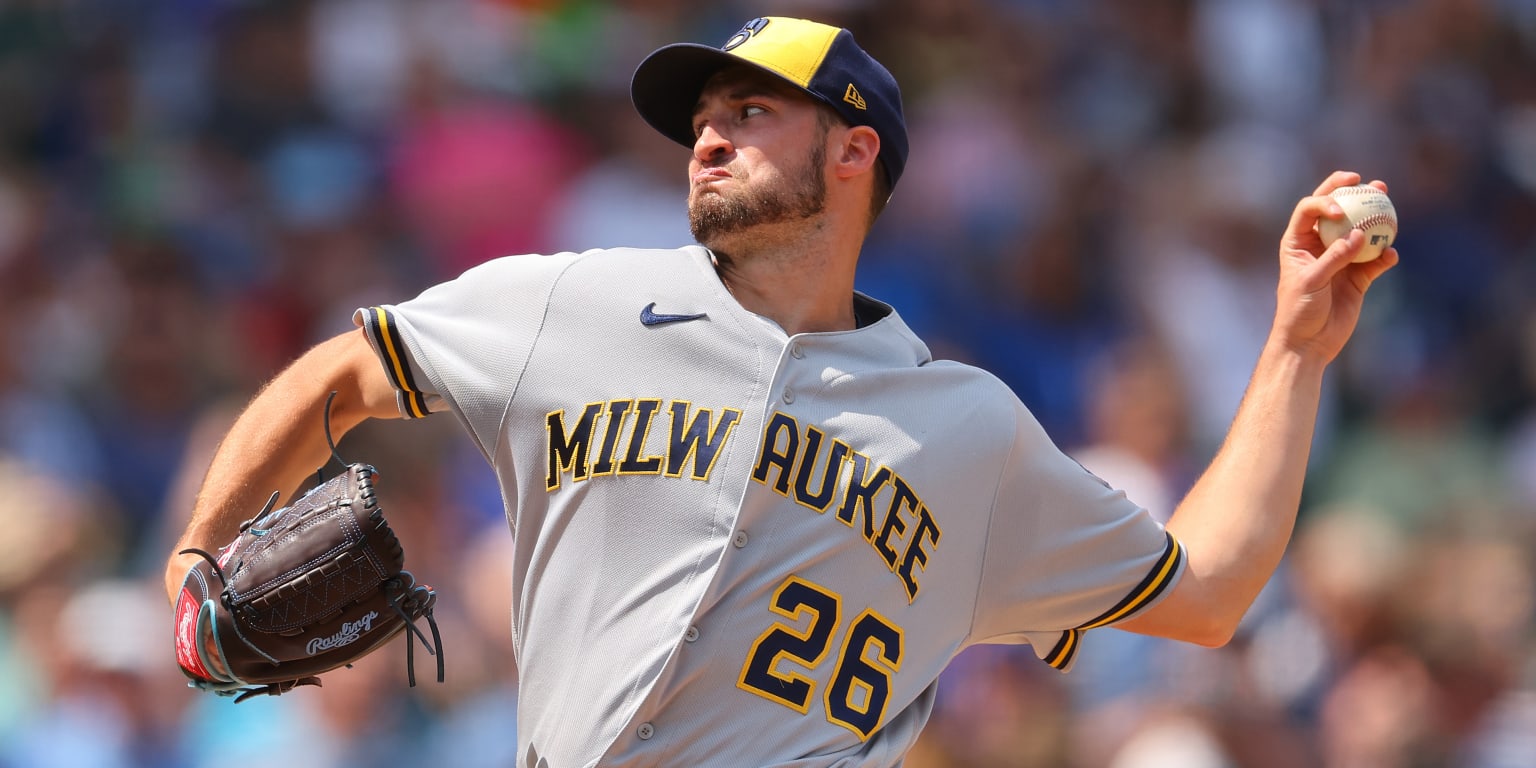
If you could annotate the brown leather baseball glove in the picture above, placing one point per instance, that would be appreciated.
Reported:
(301, 590)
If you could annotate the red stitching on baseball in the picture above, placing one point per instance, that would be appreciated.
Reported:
(1374, 219)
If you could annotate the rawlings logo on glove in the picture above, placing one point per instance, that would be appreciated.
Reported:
(348, 635)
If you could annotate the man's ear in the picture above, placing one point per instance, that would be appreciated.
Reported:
(860, 150)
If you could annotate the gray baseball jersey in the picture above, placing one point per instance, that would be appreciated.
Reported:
(736, 547)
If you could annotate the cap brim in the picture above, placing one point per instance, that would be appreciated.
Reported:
(666, 86)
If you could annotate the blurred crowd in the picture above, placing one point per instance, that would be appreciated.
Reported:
(192, 192)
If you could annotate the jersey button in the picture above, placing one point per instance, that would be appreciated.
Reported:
(789, 395)
(645, 731)
(796, 351)
(740, 539)
(691, 635)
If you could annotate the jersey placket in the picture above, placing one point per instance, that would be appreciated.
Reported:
(795, 379)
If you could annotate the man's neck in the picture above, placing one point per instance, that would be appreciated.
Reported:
(805, 286)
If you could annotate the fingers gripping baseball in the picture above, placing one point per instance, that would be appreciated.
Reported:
(1322, 285)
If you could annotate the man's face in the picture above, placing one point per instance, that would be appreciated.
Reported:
(758, 158)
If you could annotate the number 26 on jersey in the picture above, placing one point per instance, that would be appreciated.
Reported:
(784, 658)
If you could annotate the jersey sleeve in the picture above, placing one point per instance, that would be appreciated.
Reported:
(461, 345)
(1065, 552)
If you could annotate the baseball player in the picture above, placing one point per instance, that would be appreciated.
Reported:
(753, 518)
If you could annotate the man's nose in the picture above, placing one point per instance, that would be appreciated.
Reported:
(711, 145)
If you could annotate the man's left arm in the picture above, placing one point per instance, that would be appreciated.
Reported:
(1237, 519)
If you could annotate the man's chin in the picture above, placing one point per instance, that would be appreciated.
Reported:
(712, 222)
(719, 223)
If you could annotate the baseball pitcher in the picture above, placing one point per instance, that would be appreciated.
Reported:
(753, 517)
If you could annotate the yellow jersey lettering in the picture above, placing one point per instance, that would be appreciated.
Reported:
(568, 450)
(617, 410)
(860, 493)
(635, 461)
(810, 466)
(894, 525)
(770, 456)
(915, 557)
(695, 437)
(821, 498)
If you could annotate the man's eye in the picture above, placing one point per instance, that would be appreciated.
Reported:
(752, 109)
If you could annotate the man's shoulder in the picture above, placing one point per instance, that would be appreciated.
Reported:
(616, 256)
(975, 378)
(640, 257)
(890, 345)
(637, 269)
(606, 265)
(979, 389)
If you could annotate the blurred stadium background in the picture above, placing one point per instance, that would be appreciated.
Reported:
(193, 191)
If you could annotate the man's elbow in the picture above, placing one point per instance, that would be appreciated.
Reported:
(1212, 624)
(1184, 617)
(1212, 634)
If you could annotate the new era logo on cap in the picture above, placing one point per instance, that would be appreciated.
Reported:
(852, 97)
(822, 60)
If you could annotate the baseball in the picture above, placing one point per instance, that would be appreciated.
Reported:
(1368, 209)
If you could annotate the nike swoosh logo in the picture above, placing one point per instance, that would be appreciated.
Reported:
(648, 316)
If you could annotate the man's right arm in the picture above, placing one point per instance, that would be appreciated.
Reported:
(1237, 520)
(279, 440)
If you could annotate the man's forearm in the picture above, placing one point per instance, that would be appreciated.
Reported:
(277, 443)
(1236, 521)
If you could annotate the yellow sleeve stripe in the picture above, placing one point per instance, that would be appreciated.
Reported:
(381, 326)
(1060, 657)
(1153, 585)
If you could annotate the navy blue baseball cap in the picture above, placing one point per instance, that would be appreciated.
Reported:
(821, 60)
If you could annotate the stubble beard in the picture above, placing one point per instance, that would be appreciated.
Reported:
(717, 220)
